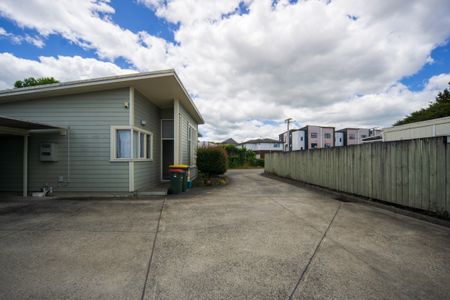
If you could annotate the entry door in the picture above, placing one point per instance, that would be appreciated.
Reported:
(167, 147)
(167, 158)
(11, 163)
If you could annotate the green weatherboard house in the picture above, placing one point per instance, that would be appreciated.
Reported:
(112, 134)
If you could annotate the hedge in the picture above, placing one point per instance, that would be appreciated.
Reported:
(212, 161)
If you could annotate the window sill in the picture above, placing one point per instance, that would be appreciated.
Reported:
(130, 159)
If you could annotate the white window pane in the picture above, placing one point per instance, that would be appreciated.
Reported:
(123, 143)
(142, 145)
(167, 129)
(135, 144)
(149, 146)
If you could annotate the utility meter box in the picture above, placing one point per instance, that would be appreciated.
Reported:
(49, 152)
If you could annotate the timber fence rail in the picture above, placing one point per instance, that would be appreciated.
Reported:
(411, 173)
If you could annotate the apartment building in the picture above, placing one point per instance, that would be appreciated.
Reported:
(293, 140)
(308, 137)
(317, 137)
(351, 136)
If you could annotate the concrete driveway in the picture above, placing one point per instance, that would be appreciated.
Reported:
(257, 238)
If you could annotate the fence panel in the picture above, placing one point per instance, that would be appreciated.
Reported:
(411, 173)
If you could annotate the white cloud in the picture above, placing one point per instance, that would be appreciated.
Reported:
(86, 23)
(19, 39)
(191, 11)
(63, 68)
(327, 62)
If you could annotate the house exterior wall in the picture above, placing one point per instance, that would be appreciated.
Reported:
(430, 128)
(327, 137)
(351, 137)
(147, 173)
(90, 117)
(167, 113)
(185, 121)
(298, 140)
(11, 162)
(319, 137)
(264, 146)
(362, 133)
(314, 134)
(339, 139)
(286, 141)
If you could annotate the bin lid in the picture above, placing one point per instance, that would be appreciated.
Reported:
(177, 171)
(179, 166)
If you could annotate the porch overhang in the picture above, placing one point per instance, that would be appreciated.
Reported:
(13, 126)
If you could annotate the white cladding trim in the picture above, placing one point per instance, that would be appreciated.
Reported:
(131, 123)
(176, 127)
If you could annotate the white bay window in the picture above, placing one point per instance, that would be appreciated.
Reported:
(131, 143)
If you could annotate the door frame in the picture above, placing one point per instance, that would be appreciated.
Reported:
(161, 148)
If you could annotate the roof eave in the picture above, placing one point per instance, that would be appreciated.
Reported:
(12, 95)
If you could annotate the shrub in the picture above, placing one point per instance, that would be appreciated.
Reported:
(259, 162)
(240, 157)
(212, 161)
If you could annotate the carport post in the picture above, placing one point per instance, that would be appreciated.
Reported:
(25, 165)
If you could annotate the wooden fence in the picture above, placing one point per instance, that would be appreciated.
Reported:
(412, 173)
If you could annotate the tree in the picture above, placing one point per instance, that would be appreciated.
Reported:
(438, 109)
(31, 81)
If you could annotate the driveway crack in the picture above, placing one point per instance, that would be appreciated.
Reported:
(153, 250)
(316, 250)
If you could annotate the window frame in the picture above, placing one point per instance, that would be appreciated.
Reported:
(191, 144)
(132, 129)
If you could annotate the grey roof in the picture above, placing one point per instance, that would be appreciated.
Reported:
(261, 141)
(306, 127)
(229, 141)
(103, 83)
(373, 138)
(350, 128)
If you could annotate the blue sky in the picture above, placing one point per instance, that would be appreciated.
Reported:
(440, 64)
(128, 14)
(248, 64)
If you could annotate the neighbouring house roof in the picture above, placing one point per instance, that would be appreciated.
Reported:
(418, 124)
(161, 87)
(351, 128)
(306, 127)
(373, 138)
(261, 141)
(229, 141)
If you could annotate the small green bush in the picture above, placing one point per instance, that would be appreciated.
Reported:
(259, 162)
(212, 161)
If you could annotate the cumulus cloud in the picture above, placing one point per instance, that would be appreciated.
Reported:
(191, 11)
(19, 39)
(63, 68)
(326, 62)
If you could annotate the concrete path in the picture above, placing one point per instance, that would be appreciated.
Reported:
(257, 238)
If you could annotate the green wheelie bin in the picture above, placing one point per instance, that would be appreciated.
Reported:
(176, 180)
(184, 168)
